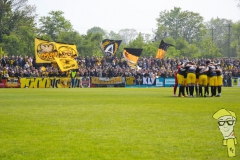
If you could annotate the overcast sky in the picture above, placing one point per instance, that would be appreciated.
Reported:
(132, 14)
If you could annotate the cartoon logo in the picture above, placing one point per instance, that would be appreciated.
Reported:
(226, 122)
(46, 51)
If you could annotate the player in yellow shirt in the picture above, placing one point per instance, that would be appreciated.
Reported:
(212, 78)
(191, 77)
(203, 79)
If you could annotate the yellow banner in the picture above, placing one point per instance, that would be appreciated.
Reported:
(130, 80)
(66, 64)
(66, 50)
(53, 82)
(46, 51)
(105, 80)
(63, 82)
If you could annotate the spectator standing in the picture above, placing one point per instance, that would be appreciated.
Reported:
(73, 74)
(229, 79)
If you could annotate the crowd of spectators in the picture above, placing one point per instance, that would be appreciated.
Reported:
(25, 66)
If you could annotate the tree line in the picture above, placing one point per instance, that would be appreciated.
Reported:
(186, 30)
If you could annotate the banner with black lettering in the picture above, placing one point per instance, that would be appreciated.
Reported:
(107, 80)
(50, 82)
(46, 51)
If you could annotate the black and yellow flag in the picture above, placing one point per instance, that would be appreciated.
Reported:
(131, 55)
(66, 64)
(162, 49)
(110, 47)
(46, 51)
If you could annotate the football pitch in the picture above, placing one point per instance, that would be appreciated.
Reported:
(113, 124)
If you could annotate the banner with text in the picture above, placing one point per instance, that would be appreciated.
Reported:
(46, 51)
(107, 80)
(10, 82)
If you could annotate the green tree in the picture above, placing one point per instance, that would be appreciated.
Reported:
(180, 24)
(210, 49)
(12, 44)
(54, 24)
(5, 9)
(17, 26)
(218, 30)
(192, 51)
(72, 37)
(90, 45)
(127, 35)
(137, 43)
(149, 48)
(98, 30)
(26, 36)
(113, 35)
(235, 45)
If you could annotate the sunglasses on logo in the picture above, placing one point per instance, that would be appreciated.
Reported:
(230, 122)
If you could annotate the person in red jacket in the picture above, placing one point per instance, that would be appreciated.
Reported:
(176, 80)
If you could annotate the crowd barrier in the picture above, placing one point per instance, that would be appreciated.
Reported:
(91, 82)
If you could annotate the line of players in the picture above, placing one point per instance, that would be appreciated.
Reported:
(190, 77)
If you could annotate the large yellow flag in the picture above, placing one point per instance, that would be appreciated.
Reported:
(66, 64)
(46, 51)
(66, 50)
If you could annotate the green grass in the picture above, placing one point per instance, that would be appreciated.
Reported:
(112, 124)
